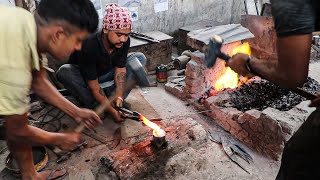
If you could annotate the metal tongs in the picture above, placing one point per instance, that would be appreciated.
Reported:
(126, 113)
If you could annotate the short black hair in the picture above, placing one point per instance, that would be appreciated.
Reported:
(79, 13)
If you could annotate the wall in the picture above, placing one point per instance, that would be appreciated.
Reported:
(184, 12)
(7, 2)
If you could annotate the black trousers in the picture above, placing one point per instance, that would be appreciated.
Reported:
(301, 155)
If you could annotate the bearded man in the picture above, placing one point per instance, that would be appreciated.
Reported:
(104, 58)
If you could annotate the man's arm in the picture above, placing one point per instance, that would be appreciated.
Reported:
(18, 130)
(291, 68)
(97, 92)
(120, 82)
(100, 97)
(45, 90)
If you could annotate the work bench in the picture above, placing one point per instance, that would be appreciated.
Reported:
(156, 53)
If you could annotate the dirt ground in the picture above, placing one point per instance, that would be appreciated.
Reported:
(205, 160)
(197, 159)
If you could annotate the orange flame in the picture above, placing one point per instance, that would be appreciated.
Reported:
(157, 131)
(230, 79)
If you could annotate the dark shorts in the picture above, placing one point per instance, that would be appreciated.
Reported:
(301, 155)
(293, 17)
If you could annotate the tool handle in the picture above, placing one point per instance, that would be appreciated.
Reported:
(99, 110)
(79, 128)
(224, 56)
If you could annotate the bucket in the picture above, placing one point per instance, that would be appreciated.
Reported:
(161, 73)
(40, 160)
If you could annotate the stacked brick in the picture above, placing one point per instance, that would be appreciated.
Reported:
(156, 53)
(265, 131)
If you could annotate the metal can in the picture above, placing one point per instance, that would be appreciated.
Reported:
(162, 73)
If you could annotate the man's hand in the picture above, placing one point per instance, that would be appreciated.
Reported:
(115, 114)
(68, 141)
(88, 117)
(238, 64)
(117, 102)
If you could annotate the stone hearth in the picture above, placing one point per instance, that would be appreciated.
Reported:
(264, 129)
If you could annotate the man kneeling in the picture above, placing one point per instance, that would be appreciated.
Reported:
(104, 58)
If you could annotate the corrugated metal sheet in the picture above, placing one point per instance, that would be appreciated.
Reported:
(230, 33)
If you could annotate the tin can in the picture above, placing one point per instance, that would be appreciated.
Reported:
(162, 73)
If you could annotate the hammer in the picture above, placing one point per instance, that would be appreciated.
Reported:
(99, 110)
(214, 51)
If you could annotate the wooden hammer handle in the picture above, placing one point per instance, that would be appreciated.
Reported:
(99, 110)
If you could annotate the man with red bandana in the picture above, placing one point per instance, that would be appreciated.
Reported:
(103, 59)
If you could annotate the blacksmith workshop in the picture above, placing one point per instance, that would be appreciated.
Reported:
(159, 89)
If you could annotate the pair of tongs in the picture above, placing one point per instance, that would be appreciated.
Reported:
(126, 113)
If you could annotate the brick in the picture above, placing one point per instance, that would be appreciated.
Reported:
(192, 66)
(193, 75)
(194, 82)
(192, 96)
(250, 115)
(193, 89)
(227, 48)
(175, 89)
(198, 57)
(219, 99)
(270, 125)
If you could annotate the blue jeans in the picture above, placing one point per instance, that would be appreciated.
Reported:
(69, 75)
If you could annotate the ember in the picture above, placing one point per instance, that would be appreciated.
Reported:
(260, 94)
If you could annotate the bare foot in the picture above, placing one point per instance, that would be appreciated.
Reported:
(53, 173)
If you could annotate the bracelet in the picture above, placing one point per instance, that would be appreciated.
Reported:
(120, 98)
(249, 67)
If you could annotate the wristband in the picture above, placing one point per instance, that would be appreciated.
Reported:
(120, 98)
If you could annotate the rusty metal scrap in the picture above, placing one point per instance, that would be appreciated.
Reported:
(231, 147)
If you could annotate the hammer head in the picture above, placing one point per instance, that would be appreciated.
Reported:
(214, 51)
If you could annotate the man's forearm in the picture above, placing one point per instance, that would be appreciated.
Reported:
(97, 92)
(45, 90)
(120, 81)
(33, 135)
(291, 68)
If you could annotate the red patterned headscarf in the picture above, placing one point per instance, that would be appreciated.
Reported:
(117, 17)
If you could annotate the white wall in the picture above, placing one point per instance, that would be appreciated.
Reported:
(184, 12)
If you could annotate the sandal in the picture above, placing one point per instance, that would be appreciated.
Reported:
(56, 173)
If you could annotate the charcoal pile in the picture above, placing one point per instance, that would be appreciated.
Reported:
(260, 94)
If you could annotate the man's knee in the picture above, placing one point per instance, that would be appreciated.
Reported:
(64, 72)
(140, 56)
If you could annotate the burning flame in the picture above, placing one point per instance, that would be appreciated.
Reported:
(157, 131)
(230, 79)
(243, 48)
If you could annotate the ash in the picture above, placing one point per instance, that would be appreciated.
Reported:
(260, 94)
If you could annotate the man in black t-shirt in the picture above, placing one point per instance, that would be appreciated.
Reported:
(104, 62)
(295, 20)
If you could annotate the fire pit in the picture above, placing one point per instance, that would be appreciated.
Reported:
(257, 112)
(149, 156)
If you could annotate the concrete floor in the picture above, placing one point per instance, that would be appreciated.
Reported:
(207, 161)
